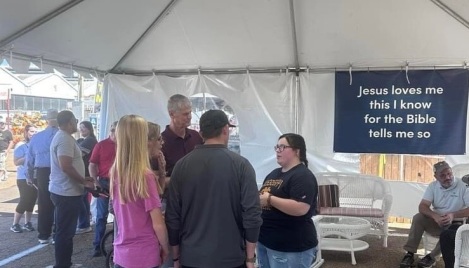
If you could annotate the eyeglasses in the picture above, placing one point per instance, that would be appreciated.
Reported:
(280, 147)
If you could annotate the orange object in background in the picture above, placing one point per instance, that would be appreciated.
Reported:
(20, 120)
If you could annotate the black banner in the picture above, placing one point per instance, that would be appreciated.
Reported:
(382, 113)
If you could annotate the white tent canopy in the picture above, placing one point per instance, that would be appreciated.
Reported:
(180, 35)
(273, 61)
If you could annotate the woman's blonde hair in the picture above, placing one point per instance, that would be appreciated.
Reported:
(153, 130)
(154, 134)
(131, 163)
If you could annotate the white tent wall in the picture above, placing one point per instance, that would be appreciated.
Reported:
(316, 124)
(263, 104)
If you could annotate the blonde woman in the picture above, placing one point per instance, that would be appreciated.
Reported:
(141, 229)
(157, 162)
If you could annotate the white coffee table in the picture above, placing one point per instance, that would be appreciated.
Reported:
(346, 230)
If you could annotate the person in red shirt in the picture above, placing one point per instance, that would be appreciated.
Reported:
(101, 161)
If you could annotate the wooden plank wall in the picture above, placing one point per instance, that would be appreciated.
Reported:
(415, 169)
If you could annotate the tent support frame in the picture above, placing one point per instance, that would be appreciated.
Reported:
(309, 69)
(293, 30)
(451, 12)
(158, 19)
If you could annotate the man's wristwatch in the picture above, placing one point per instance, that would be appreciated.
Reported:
(251, 260)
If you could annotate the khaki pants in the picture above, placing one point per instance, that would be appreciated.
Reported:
(420, 224)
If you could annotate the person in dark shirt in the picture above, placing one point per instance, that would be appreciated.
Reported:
(179, 140)
(448, 236)
(86, 144)
(288, 237)
(213, 214)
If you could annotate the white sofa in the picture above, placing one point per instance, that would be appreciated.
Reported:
(360, 195)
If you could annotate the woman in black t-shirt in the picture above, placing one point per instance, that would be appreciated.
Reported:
(288, 199)
(86, 144)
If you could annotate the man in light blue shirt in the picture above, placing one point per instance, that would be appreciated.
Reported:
(38, 163)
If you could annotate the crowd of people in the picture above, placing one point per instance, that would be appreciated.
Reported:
(181, 198)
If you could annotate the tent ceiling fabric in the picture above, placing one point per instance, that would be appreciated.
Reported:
(226, 34)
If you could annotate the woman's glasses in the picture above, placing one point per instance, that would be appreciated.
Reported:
(280, 147)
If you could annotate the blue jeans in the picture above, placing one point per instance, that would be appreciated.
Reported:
(66, 216)
(102, 211)
(269, 258)
(84, 217)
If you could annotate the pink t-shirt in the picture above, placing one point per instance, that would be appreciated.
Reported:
(136, 244)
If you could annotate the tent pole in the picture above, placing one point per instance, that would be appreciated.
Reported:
(296, 100)
(451, 12)
(293, 30)
(144, 34)
(39, 22)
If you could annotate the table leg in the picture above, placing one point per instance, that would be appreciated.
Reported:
(352, 253)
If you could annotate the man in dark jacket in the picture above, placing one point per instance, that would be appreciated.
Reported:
(213, 213)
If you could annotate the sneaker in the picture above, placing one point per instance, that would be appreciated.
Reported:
(407, 261)
(16, 228)
(426, 262)
(44, 241)
(83, 230)
(28, 227)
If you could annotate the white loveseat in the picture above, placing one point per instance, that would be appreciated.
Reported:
(359, 195)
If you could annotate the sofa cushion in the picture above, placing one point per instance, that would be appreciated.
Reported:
(357, 212)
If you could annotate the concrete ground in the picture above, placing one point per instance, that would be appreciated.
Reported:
(23, 249)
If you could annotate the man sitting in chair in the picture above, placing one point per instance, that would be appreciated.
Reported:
(448, 236)
(444, 200)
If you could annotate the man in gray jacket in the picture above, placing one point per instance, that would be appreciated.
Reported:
(213, 213)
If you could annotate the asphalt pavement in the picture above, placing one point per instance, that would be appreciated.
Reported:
(23, 249)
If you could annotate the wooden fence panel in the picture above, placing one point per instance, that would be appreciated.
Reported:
(415, 169)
